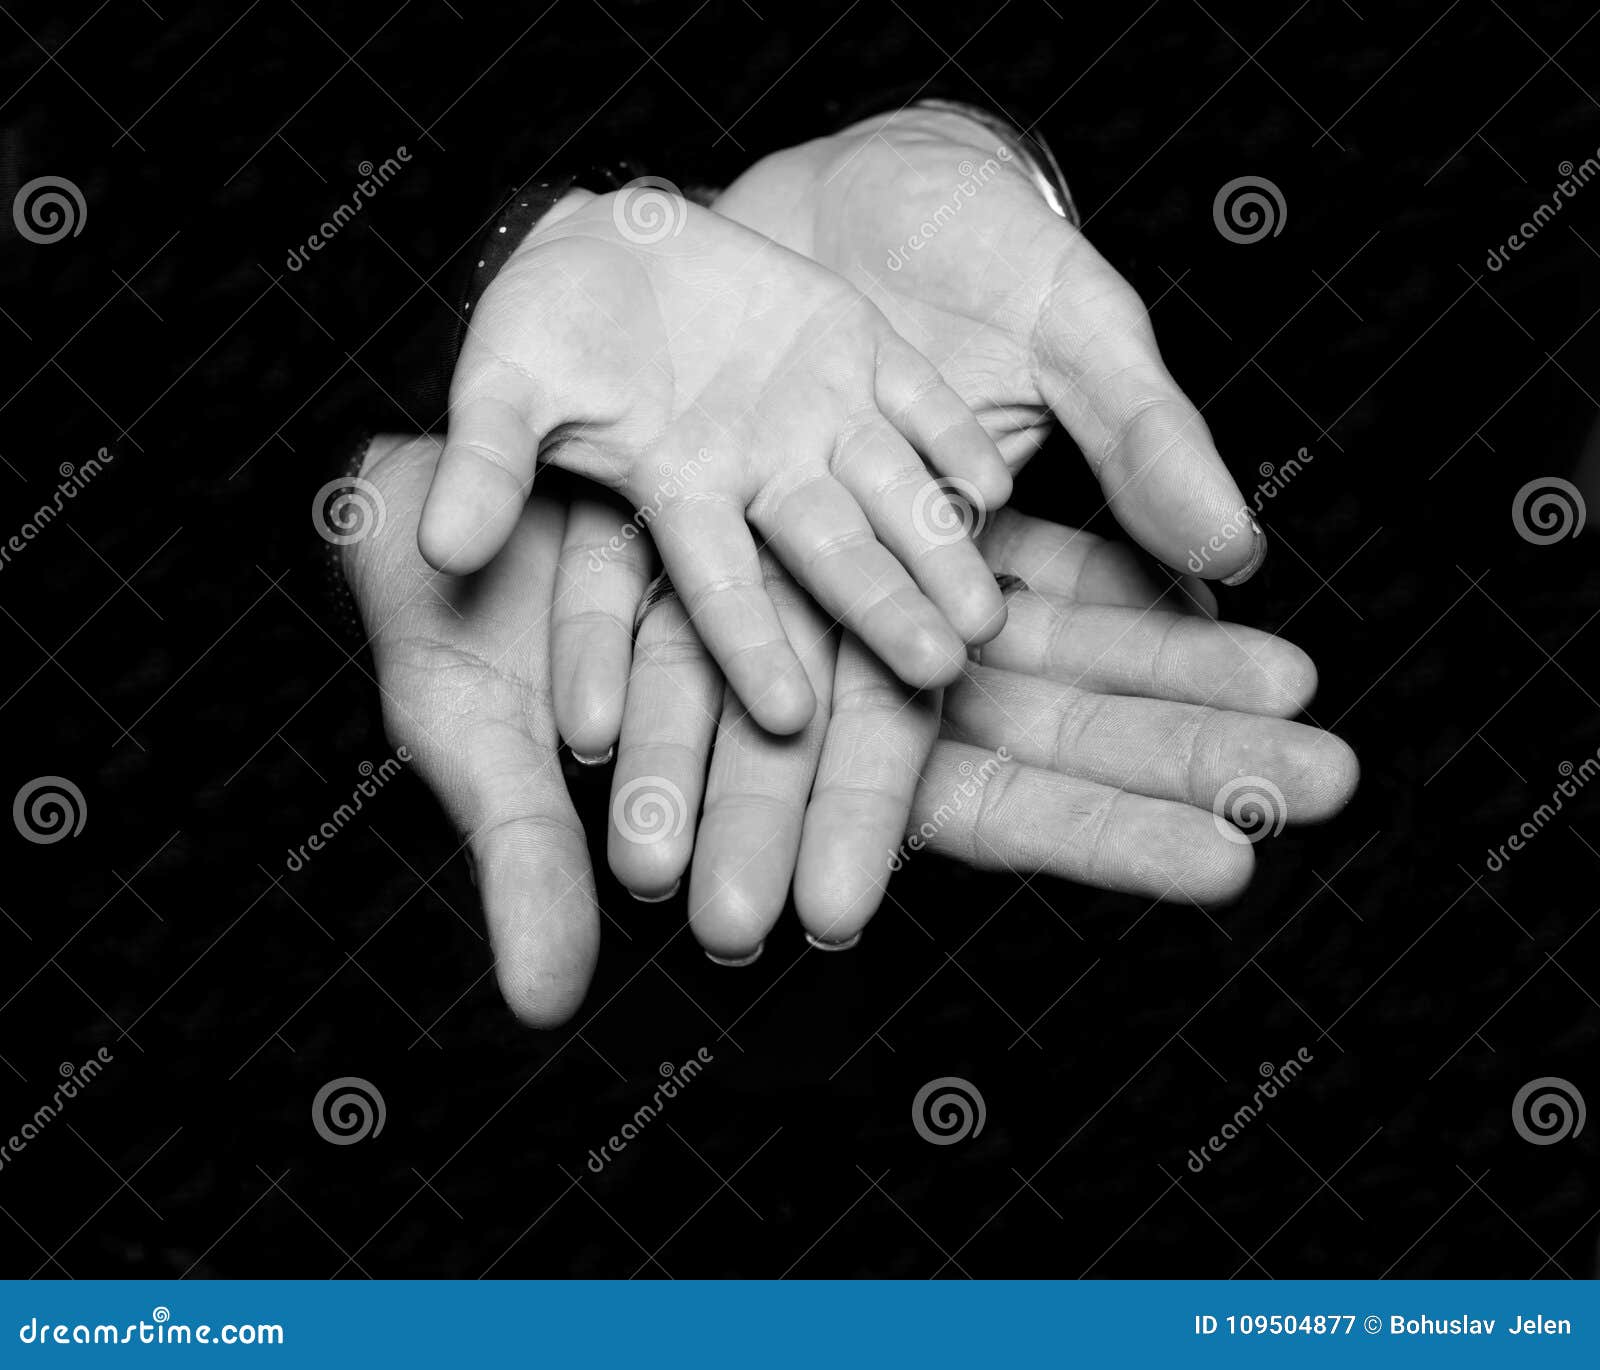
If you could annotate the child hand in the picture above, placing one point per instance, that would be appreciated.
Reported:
(724, 383)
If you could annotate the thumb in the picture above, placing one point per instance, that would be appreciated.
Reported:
(486, 747)
(1101, 372)
(464, 676)
(534, 878)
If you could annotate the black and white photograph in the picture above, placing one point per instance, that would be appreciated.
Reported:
(716, 641)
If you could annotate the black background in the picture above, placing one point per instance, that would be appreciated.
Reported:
(160, 647)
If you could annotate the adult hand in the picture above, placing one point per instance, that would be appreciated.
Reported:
(933, 220)
(1107, 737)
(464, 667)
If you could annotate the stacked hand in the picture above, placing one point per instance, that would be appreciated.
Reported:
(714, 378)
(1018, 311)
(717, 380)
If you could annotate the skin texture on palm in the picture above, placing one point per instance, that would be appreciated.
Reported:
(1022, 316)
(722, 383)
(464, 665)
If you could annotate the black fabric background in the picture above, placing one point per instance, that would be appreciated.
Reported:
(160, 649)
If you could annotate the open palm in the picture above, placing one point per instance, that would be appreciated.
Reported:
(721, 382)
(940, 227)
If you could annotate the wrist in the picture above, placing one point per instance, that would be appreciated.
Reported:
(985, 132)
(546, 226)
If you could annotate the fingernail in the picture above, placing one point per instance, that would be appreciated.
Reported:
(1258, 555)
(845, 945)
(737, 961)
(600, 760)
(657, 898)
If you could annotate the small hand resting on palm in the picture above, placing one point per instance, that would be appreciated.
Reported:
(725, 384)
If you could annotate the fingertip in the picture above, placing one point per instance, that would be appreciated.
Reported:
(588, 706)
(1182, 852)
(1288, 678)
(1223, 865)
(471, 509)
(649, 865)
(543, 923)
(538, 1001)
(1251, 560)
(459, 541)
(593, 739)
(1239, 668)
(980, 612)
(438, 539)
(931, 659)
(836, 899)
(729, 919)
(1229, 876)
(1330, 773)
(780, 697)
(993, 484)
